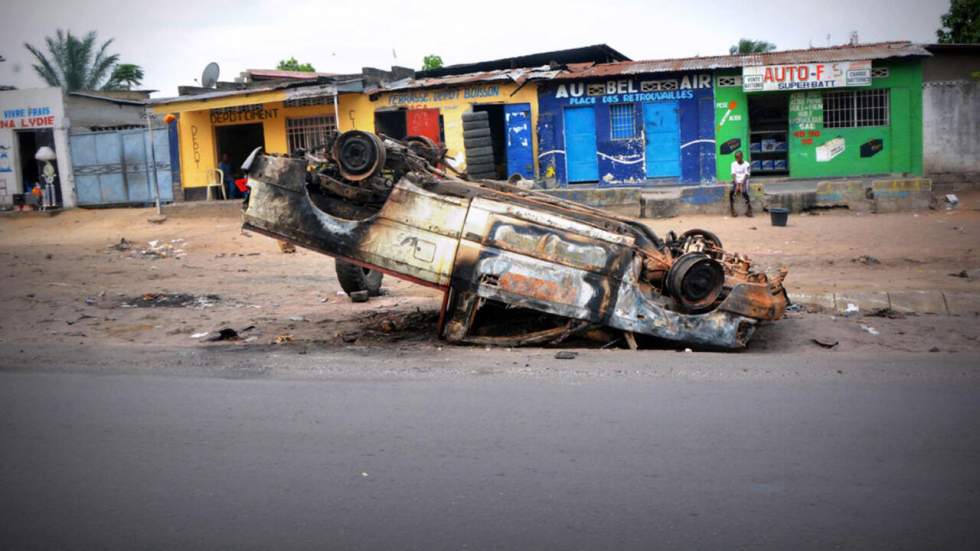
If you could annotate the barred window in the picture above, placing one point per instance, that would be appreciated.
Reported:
(309, 132)
(622, 121)
(851, 109)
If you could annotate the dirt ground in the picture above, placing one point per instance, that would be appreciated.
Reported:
(68, 279)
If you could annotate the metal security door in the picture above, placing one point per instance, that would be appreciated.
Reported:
(663, 154)
(423, 122)
(112, 168)
(520, 158)
(580, 147)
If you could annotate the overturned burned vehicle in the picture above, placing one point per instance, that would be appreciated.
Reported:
(516, 266)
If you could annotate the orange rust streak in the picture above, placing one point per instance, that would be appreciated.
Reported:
(540, 289)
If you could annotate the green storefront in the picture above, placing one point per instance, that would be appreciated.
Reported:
(821, 120)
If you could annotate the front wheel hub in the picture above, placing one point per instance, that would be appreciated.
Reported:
(695, 280)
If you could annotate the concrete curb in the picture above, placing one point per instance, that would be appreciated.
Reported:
(940, 303)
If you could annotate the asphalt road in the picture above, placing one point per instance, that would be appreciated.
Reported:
(595, 453)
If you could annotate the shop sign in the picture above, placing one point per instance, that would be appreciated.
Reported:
(806, 76)
(630, 90)
(422, 97)
(243, 113)
(28, 117)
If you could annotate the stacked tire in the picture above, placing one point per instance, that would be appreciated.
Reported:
(478, 145)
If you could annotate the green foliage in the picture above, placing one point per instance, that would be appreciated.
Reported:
(961, 24)
(74, 63)
(292, 65)
(748, 46)
(124, 77)
(431, 61)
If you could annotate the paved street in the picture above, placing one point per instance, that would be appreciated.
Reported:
(466, 449)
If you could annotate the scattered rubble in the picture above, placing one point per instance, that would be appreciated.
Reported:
(169, 300)
(867, 260)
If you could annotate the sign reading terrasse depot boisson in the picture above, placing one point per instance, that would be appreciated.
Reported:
(806, 76)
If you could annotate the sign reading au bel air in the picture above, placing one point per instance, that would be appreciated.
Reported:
(807, 76)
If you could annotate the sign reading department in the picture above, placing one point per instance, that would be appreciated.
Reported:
(807, 76)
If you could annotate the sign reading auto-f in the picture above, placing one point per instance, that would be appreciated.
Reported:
(807, 76)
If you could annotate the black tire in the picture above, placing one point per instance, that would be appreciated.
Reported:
(479, 133)
(476, 116)
(477, 142)
(708, 236)
(472, 153)
(354, 278)
(479, 164)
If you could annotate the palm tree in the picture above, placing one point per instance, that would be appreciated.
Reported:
(74, 63)
(747, 46)
(124, 77)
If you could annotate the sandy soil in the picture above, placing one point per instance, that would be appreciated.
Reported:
(62, 280)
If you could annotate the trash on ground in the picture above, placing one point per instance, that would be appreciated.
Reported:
(867, 260)
(283, 339)
(870, 329)
(566, 355)
(226, 334)
(851, 309)
(199, 335)
(170, 300)
(286, 247)
(951, 200)
(296, 318)
(886, 313)
(826, 342)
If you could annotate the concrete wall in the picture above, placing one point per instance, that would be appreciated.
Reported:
(85, 113)
(951, 127)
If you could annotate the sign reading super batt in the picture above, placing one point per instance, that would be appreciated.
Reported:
(807, 76)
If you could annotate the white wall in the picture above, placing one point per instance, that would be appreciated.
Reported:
(26, 110)
(951, 127)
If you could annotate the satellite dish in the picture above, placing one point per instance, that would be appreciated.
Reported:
(209, 78)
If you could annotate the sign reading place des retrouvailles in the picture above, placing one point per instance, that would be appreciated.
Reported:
(807, 76)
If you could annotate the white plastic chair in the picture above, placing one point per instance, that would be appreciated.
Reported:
(220, 184)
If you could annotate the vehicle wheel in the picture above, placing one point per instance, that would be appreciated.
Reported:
(475, 116)
(354, 278)
(482, 166)
(479, 133)
(475, 152)
(477, 142)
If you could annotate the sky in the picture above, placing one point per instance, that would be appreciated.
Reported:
(173, 45)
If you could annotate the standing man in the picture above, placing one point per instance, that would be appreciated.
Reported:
(740, 184)
(226, 174)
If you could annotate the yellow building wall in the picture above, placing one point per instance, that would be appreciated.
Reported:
(357, 110)
(196, 131)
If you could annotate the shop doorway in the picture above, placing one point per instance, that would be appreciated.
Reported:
(580, 145)
(663, 139)
(391, 123)
(768, 134)
(31, 170)
(238, 141)
(402, 123)
(498, 136)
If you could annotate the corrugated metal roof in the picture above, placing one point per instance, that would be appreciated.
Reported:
(508, 75)
(295, 75)
(220, 94)
(99, 97)
(880, 50)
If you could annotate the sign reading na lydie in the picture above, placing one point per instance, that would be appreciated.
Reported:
(807, 76)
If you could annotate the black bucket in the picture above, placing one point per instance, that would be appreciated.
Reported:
(778, 216)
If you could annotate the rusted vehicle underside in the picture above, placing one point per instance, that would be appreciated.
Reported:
(517, 267)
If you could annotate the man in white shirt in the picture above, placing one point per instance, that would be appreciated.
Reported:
(740, 184)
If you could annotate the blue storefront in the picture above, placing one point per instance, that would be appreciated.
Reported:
(629, 131)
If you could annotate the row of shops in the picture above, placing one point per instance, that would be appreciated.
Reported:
(590, 120)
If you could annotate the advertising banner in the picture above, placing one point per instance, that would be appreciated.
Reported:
(807, 76)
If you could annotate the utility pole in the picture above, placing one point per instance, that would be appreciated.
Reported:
(159, 218)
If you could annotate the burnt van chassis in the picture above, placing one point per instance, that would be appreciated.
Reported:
(493, 246)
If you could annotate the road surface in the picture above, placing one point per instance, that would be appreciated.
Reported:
(477, 450)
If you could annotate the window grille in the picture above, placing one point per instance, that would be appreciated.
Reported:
(879, 72)
(729, 81)
(851, 109)
(622, 121)
(308, 102)
(309, 132)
